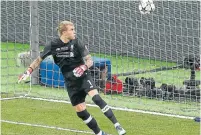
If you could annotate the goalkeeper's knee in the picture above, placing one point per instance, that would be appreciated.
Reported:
(104, 108)
(100, 102)
(84, 115)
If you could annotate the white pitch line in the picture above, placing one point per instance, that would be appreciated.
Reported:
(45, 126)
(117, 108)
(10, 98)
(121, 109)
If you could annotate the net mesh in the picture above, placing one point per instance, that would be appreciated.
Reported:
(117, 32)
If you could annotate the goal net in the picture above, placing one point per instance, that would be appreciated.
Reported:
(154, 56)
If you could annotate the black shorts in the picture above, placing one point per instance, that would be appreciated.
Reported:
(78, 88)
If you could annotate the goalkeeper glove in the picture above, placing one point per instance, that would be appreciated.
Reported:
(25, 75)
(79, 71)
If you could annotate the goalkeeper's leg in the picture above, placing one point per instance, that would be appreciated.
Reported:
(88, 119)
(106, 110)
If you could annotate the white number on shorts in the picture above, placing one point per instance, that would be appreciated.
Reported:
(91, 86)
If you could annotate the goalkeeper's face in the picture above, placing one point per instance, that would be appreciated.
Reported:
(70, 32)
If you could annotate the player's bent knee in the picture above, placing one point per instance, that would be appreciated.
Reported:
(80, 107)
(99, 101)
(85, 116)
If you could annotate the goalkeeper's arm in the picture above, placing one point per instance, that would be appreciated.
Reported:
(36, 63)
(88, 62)
(30, 69)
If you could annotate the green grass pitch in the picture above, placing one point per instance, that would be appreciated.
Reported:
(63, 115)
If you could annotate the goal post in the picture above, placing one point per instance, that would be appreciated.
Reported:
(34, 38)
(144, 50)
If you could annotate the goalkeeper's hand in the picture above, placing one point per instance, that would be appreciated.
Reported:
(25, 75)
(79, 71)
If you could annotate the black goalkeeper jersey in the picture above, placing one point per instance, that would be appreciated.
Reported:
(66, 55)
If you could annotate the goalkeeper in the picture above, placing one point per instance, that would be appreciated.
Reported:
(74, 60)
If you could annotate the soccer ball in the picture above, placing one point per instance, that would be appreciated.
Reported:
(146, 6)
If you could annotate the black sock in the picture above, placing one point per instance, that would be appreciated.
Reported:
(109, 114)
(105, 108)
(89, 121)
(94, 126)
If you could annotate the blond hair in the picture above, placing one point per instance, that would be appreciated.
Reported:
(62, 27)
